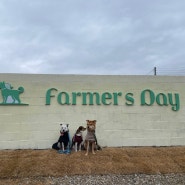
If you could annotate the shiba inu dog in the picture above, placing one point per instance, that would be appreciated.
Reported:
(90, 138)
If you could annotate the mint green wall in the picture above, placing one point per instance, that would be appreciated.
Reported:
(130, 110)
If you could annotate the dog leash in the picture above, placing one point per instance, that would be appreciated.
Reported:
(70, 143)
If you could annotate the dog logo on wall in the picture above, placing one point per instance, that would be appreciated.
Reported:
(10, 95)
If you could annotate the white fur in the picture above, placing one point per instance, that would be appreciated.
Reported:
(64, 128)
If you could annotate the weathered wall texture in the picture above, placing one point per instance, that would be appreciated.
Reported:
(121, 119)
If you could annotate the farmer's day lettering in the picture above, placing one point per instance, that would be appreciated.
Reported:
(147, 98)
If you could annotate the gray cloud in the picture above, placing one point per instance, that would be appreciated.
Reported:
(91, 37)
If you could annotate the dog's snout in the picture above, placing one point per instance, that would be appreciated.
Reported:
(91, 126)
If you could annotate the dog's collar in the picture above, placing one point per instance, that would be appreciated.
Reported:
(63, 132)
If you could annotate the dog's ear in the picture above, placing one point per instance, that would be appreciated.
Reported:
(94, 121)
(61, 124)
(67, 125)
(87, 121)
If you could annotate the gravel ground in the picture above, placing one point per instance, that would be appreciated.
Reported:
(122, 179)
(139, 179)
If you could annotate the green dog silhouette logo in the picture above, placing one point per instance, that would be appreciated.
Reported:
(10, 95)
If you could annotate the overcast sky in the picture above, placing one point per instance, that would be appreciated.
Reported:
(123, 37)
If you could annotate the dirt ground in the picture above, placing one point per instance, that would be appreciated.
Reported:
(17, 164)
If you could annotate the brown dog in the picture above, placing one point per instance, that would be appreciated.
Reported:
(90, 137)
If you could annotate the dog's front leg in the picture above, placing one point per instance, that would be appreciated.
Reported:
(62, 146)
(87, 149)
(80, 146)
(76, 146)
(93, 144)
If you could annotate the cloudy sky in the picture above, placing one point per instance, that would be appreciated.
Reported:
(123, 37)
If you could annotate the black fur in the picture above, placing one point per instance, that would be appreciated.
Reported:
(55, 146)
(64, 139)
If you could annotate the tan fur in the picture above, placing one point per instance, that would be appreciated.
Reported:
(90, 138)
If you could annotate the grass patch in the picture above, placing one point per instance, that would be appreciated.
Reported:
(126, 160)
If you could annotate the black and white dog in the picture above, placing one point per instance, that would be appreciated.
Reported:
(63, 141)
(78, 139)
(64, 136)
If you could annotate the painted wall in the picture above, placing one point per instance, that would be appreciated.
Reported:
(121, 119)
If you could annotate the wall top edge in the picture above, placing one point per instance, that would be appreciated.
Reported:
(92, 75)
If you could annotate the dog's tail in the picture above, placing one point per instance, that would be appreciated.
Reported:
(98, 146)
(21, 89)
